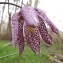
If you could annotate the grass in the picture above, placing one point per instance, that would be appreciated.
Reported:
(9, 54)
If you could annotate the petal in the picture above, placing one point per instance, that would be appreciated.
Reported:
(44, 33)
(30, 16)
(33, 39)
(44, 17)
(20, 37)
(14, 26)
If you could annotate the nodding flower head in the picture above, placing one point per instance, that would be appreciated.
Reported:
(29, 22)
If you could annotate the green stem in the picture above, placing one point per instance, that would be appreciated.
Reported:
(7, 55)
(14, 54)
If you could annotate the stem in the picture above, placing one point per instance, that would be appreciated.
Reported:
(15, 54)
(7, 55)
(10, 4)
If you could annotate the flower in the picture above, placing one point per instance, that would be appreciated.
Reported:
(30, 22)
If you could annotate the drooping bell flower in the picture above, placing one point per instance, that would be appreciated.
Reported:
(29, 21)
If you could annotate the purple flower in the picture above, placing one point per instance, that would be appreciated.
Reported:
(29, 21)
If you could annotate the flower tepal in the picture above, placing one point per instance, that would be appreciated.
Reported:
(14, 25)
(33, 39)
(44, 17)
(20, 36)
(44, 33)
(29, 16)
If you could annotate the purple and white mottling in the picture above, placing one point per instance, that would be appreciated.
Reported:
(33, 39)
(45, 18)
(29, 17)
(14, 26)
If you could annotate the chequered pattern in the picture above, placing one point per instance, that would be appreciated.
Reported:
(44, 33)
(33, 20)
(33, 39)
(20, 37)
(14, 25)
(44, 16)
(29, 15)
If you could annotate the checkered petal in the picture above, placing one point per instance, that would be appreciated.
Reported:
(44, 17)
(29, 16)
(14, 26)
(20, 37)
(33, 39)
(44, 33)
